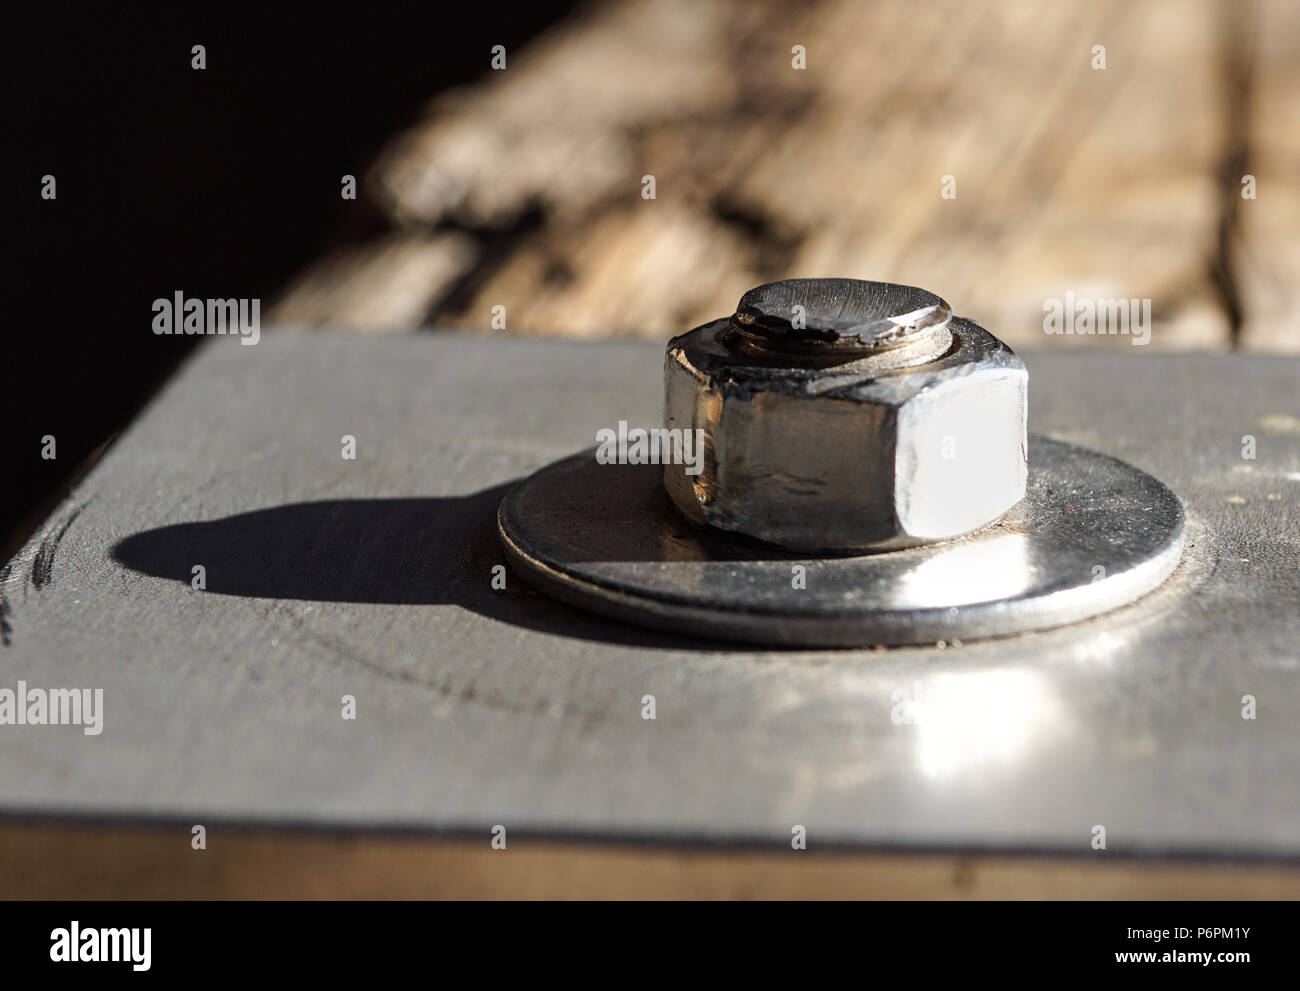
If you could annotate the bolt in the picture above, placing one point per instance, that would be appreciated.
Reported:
(814, 316)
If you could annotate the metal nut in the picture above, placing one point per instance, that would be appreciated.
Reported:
(841, 415)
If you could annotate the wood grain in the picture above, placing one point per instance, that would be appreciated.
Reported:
(116, 862)
(1120, 182)
(1266, 234)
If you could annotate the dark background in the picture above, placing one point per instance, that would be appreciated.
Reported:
(218, 183)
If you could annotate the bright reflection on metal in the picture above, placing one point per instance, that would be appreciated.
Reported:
(997, 567)
(978, 720)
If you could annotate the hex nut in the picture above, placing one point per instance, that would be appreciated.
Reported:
(870, 419)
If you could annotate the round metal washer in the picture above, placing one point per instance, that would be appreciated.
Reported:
(1092, 534)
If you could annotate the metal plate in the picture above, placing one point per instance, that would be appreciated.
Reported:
(478, 706)
(1092, 534)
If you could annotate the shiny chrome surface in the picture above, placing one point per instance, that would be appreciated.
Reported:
(857, 455)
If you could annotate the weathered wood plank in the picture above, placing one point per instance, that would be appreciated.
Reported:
(1267, 230)
(1068, 178)
(383, 285)
(42, 860)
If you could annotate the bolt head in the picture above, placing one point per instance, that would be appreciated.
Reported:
(838, 313)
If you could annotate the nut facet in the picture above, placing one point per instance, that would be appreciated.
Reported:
(841, 415)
